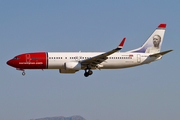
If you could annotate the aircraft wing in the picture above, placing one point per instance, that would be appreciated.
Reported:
(92, 62)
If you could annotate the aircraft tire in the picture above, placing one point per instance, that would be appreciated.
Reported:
(86, 74)
(90, 72)
(23, 73)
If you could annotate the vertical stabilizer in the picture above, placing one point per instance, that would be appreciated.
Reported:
(154, 42)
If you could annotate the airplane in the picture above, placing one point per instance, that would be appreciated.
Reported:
(71, 62)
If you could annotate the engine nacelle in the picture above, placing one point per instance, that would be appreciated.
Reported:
(67, 71)
(72, 66)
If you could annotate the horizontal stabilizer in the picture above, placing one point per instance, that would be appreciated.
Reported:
(161, 53)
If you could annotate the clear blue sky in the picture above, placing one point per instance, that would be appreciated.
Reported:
(148, 92)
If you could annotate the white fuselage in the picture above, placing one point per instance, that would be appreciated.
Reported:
(117, 60)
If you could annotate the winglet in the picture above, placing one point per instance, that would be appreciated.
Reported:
(122, 43)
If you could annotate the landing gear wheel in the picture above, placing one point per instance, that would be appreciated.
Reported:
(23, 73)
(86, 74)
(90, 72)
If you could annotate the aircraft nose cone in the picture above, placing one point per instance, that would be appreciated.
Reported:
(10, 63)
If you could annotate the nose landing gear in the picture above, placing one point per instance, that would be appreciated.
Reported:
(23, 73)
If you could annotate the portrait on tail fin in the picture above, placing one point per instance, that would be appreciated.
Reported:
(156, 42)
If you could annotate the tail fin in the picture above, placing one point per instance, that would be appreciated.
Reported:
(154, 42)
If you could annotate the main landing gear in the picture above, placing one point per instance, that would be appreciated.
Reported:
(87, 73)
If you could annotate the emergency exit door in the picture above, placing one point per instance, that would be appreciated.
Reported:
(138, 58)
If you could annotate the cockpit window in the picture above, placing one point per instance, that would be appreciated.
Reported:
(16, 58)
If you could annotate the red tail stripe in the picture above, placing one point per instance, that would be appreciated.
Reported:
(162, 26)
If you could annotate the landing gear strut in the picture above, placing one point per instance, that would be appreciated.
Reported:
(87, 73)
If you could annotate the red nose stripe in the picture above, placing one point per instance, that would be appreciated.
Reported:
(29, 61)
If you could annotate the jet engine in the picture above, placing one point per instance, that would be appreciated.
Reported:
(72, 66)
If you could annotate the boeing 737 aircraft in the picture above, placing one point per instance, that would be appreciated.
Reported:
(71, 62)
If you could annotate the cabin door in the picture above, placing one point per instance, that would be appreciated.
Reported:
(138, 58)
